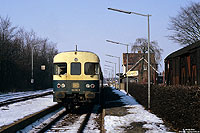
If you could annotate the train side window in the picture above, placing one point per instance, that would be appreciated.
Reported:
(60, 68)
(91, 68)
(75, 68)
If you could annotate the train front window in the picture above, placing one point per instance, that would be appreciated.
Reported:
(75, 68)
(91, 68)
(60, 68)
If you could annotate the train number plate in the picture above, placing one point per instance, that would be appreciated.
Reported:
(75, 89)
(75, 85)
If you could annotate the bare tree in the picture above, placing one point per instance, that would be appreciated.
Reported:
(141, 44)
(15, 58)
(7, 31)
(186, 25)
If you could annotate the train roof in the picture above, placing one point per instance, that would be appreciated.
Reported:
(70, 53)
(77, 51)
(187, 49)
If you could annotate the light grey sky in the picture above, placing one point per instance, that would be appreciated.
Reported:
(88, 23)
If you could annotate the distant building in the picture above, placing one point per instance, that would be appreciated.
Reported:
(138, 66)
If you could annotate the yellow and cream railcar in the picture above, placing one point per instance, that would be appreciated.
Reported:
(77, 78)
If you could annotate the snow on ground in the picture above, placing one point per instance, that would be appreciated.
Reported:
(13, 112)
(136, 113)
(10, 95)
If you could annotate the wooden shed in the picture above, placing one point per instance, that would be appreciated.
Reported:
(182, 67)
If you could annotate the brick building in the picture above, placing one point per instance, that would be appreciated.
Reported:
(138, 66)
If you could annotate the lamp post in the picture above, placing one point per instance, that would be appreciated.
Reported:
(106, 73)
(32, 79)
(126, 60)
(119, 67)
(115, 70)
(110, 69)
(145, 15)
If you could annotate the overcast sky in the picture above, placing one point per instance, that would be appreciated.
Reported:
(88, 23)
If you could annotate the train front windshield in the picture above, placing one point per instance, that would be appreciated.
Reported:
(91, 68)
(60, 68)
(75, 68)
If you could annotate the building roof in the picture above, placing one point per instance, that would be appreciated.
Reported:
(184, 50)
(133, 58)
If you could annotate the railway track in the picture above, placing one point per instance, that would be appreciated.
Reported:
(18, 99)
(75, 121)
(70, 122)
(22, 123)
(62, 121)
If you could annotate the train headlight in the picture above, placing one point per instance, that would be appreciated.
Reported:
(87, 85)
(63, 85)
(58, 85)
(92, 85)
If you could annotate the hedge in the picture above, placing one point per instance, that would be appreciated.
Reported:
(178, 105)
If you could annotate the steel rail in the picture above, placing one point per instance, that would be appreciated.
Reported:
(19, 99)
(24, 122)
(84, 123)
(44, 126)
(47, 124)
